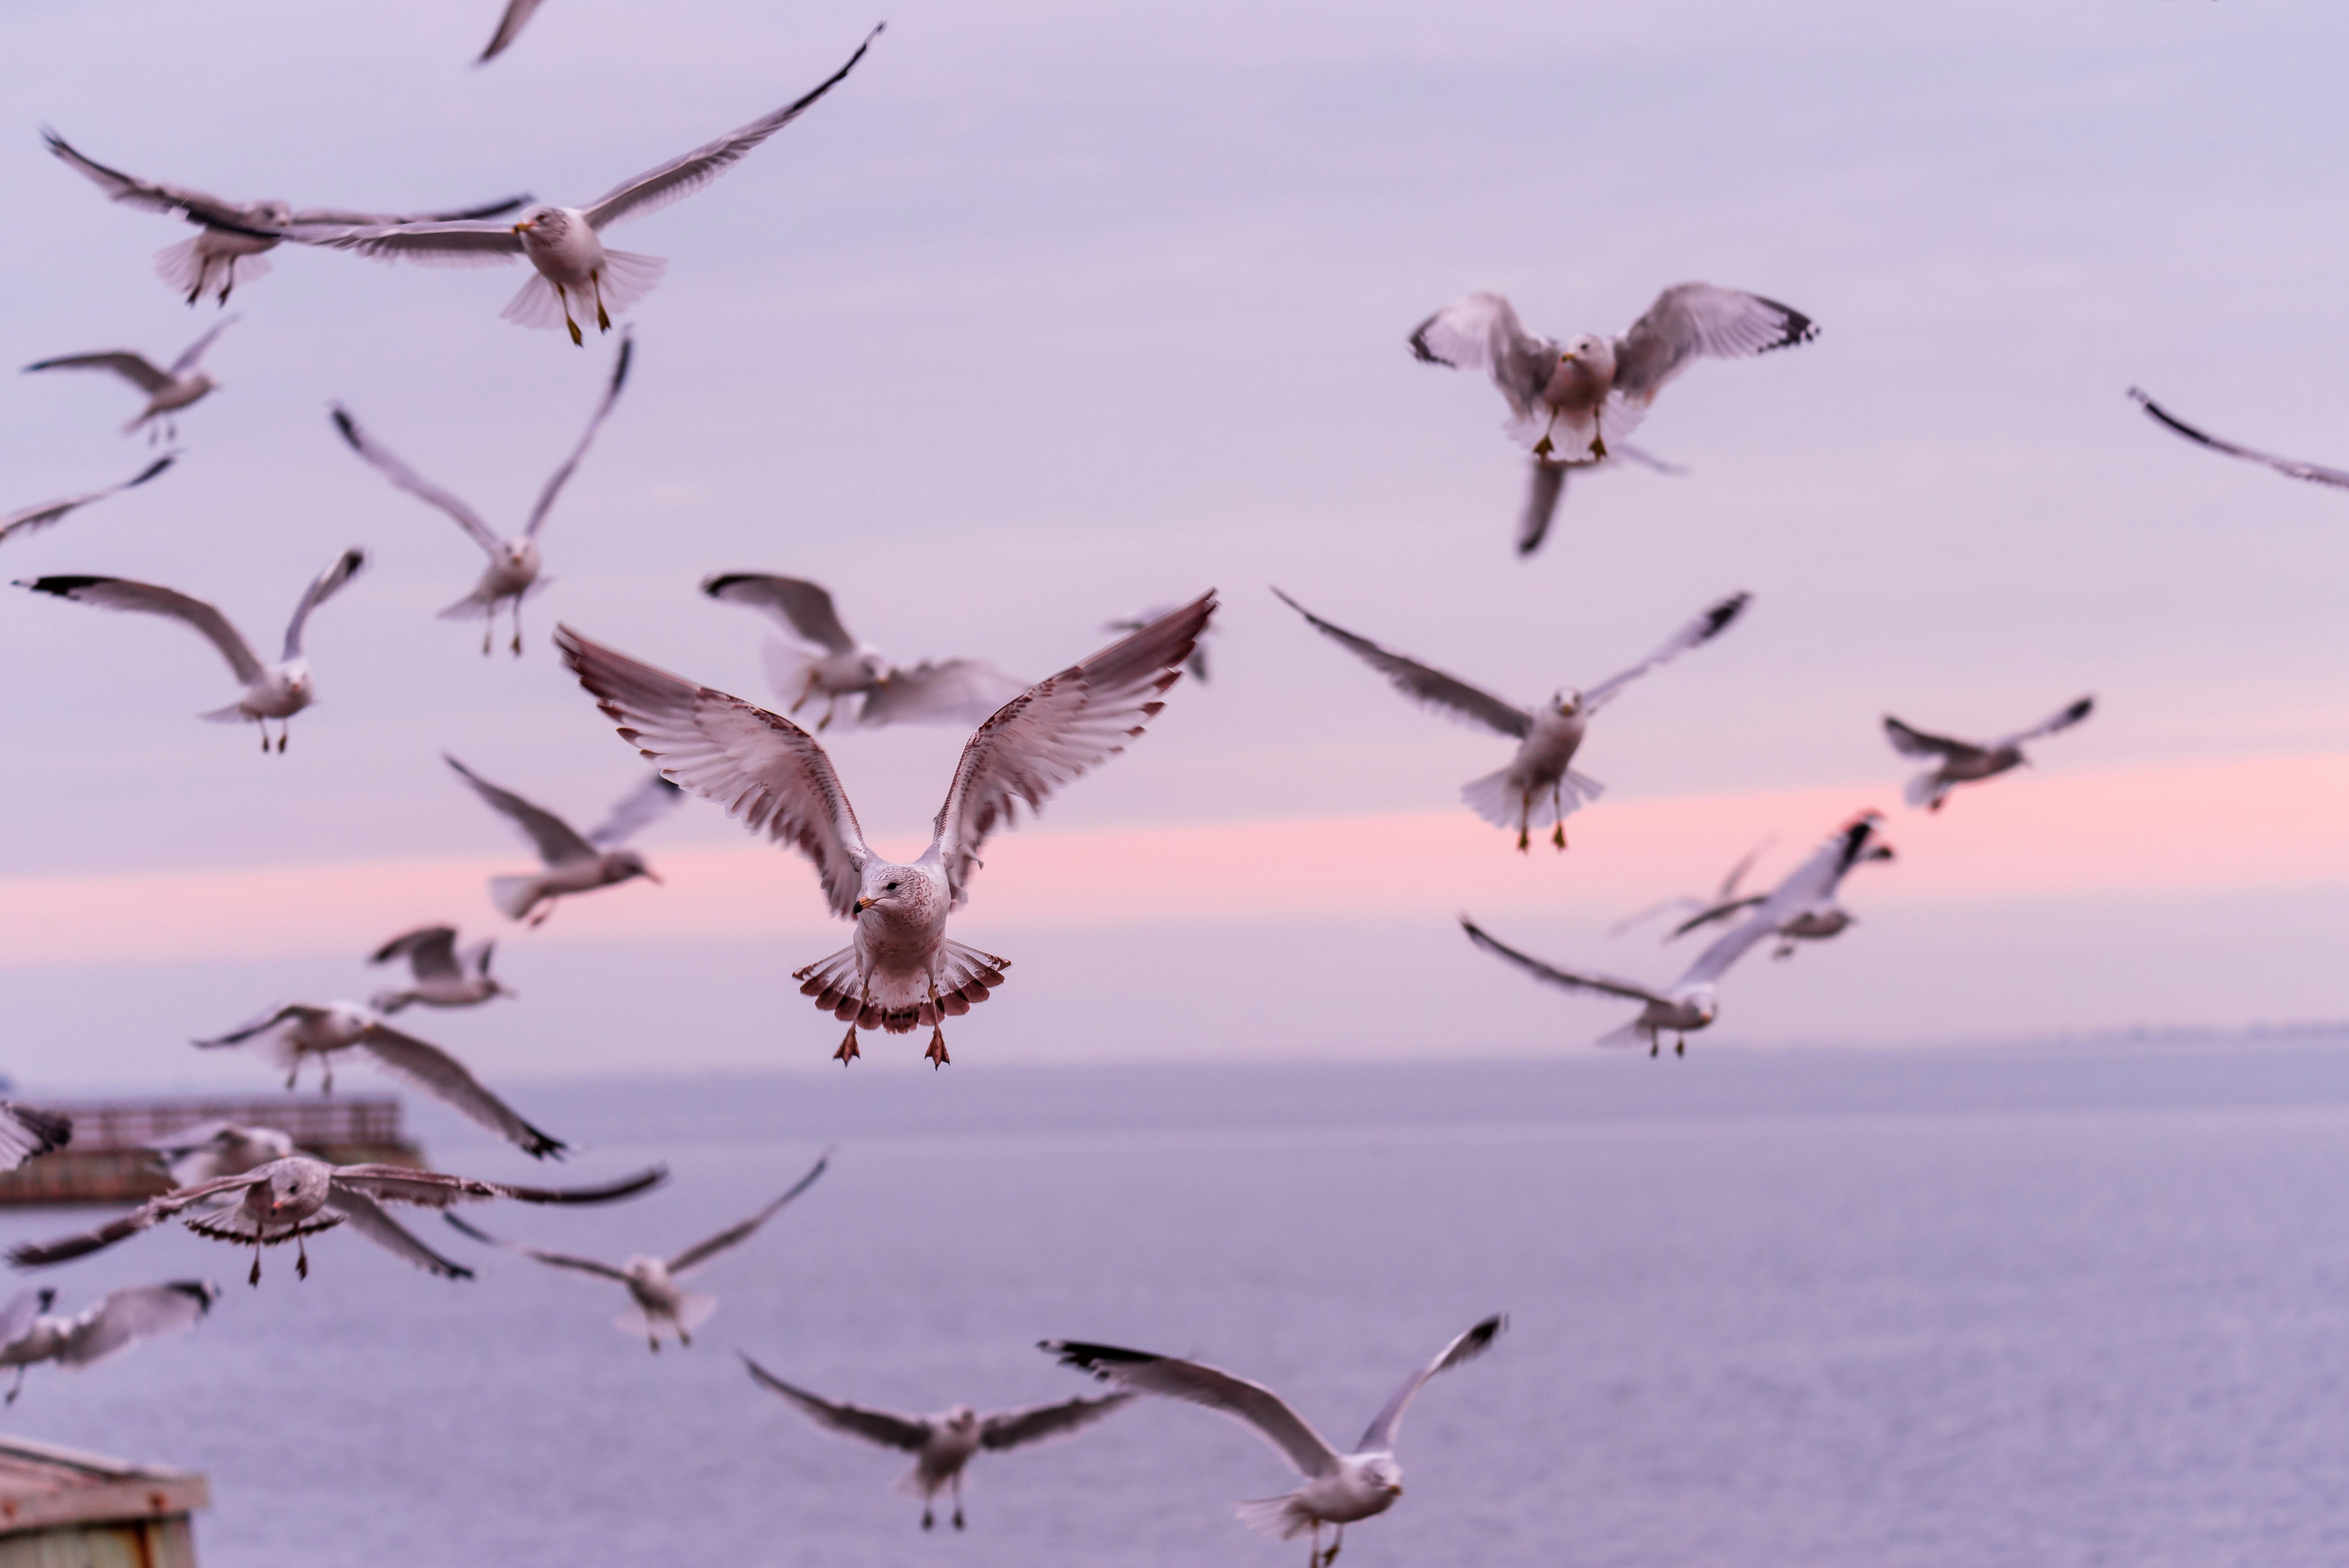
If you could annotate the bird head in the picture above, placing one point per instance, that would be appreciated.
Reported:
(622, 865)
(1566, 703)
(275, 214)
(298, 682)
(283, 1188)
(886, 887)
(545, 222)
(1702, 1003)
(1384, 1474)
(1588, 349)
(962, 1418)
(518, 554)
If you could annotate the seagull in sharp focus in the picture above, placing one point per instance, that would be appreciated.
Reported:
(1569, 401)
(1539, 786)
(121, 1319)
(211, 1150)
(901, 971)
(1807, 911)
(440, 976)
(168, 391)
(943, 1444)
(33, 518)
(2290, 466)
(564, 244)
(1339, 1488)
(299, 1029)
(277, 691)
(945, 691)
(510, 22)
(651, 1282)
(232, 235)
(287, 1200)
(513, 574)
(1971, 761)
(574, 864)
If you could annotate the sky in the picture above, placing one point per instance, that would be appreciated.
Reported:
(1051, 313)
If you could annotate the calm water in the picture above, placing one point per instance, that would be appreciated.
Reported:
(2072, 1307)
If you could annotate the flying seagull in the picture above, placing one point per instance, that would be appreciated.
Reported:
(949, 691)
(1810, 914)
(1539, 786)
(298, 1029)
(1567, 402)
(901, 971)
(277, 691)
(289, 1199)
(32, 518)
(1970, 761)
(652, 1282)
(944, 1443)
(25, 1132)
(510, 25)
(574, 864)
(564, 244)
(1686, 905)
(232, 235)
(120, 1320)
(513, 574)
(2316, 472)
(168, 391)
(1338, 1488)
(441, 976)
(210, 1150)
(1690, 1004)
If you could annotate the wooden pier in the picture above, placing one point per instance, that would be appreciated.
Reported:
(60, 1509)
(110, 1159)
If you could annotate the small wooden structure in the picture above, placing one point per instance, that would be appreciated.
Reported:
(108, 1160)
(60, 1509)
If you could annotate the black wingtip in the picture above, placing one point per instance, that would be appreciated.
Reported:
(54, 1131)
(1093, 1358)
(715, 584)
(152, 470)
(63, 587)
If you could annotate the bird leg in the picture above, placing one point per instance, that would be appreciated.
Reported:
(958, 1500)
(489, 633)
(1336, 1541)
(806, 692)
(603, 318)
(19, 1385)
(255, 1277)
(1524, 822)
(928, 1518)
(563, 294)
(282, 733)
(327, 1066)
(683, 1338)
(517, 620)
(1313, 1557)
(545, 913)
(301, 1258)
(652, 1339)
(1655, 1043)
(264, 736)
(938, 1059)
(1558, 806)
(848, 1046)
(1679, 1045)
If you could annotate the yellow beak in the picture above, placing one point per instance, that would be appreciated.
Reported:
(863, 904)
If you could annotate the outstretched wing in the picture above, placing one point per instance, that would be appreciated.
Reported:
(1050, 734)
(414, 483)
(586, 438)
(1380, 1435)
(153, 195)
(1603, 983)
(146, 599)
(1692, 321)
(453, 245)
(323, 217)
(430, 952)
(445, 1079)
(2316, 472)
(439, 1189)
(152, 1212)
(635, 812)
(887, 1427)
(194, 352)
(557, 1260)
(49, 512)
(680, 177)
(1019, 1429)
(369, 1219)
(510, 25)
(135, 369)
(702, 1251)
(556, 841)
(128, 1315)
(24, 1133)
(1714, 914)
(950, 691)
(806, 607)
(1911, 742)
(2053, 723)
(322, 587)
(1257, 1407)
(1481, 331)
(1695, 634)
(262, 1024)
(1424, 684)
(24, 1308)
(760, 767)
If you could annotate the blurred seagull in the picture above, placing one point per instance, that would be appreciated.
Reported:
(277, 691)
(574, 864)
(2315, 472)
(1968, 761)
(1338, 1488)
(298, 1029)
(287, 1200)
(1690, 1005)
(564, 243)
(1812, 914)
(211, 1150)
(902, 970)
(1547, 487)
(944, 1443)
(444, 976)
(168, 391)
(513, 574)
(652, 1282)
(25, 1132)
(1594, 388)
(1539, 786)
(227, 250)
(122, 1319)
(1686, 905)
(38, 517)
(950, 691)
(1197, 666)
(510, 25)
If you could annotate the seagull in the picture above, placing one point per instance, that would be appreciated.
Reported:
(2315, 472)
(32, 518)
(298, 1029)
(950, 691)
(1690, 1005)
(211, 1150)
(513, 574)
(652, 1282)
(1539, 786)
(25, 1132)
(1812, 915)
(1197, 666)
(1967, 762)
(168, 391)
(574, 864)
(510, 27)
(944, 1443)
(227, 250)
(120, 1320)
(1686, 903)
(287, 1200)
(564, 244)
(1596, 388)
(901, 971)
(443, 978)
(1338, 1488)
(277, 691)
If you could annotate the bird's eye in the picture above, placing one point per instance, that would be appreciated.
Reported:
(888, 887)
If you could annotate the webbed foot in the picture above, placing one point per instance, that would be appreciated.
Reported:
(848, 1051)
(936, 1054)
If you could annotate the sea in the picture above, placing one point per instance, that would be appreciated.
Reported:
(2073, 1303)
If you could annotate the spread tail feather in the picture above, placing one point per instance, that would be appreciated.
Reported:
(192, 274)
(1925, 788)
(628, 276)
(692, 1313)
(514, 896)
(232, 714)
(1499, 802)
(1282, 1518)
(916, 1485)
(1634, 1033)
(538, 304)
(965, 977)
